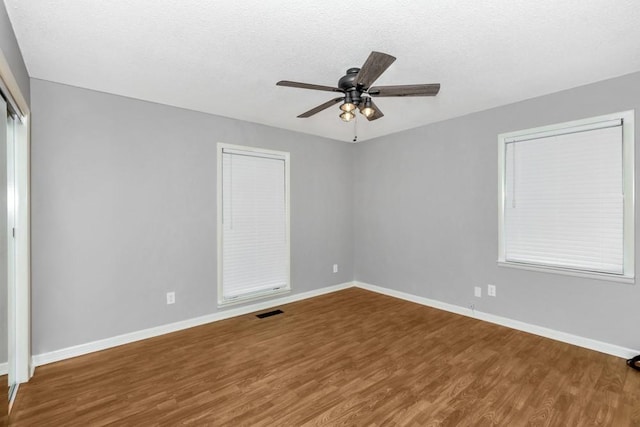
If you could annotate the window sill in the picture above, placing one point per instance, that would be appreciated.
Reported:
(568, 272)
(253, 297)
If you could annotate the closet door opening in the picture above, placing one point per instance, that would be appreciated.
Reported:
(11, 254)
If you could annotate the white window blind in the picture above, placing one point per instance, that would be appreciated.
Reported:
(255, 231)
(564, 199)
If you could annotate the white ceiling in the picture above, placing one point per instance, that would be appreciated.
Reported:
(224, 57)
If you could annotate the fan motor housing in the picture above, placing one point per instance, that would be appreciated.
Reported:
(347, 82)
(348, 86)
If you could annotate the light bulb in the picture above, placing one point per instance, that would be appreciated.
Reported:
(347, 116)
(348, 106)
(368, 110)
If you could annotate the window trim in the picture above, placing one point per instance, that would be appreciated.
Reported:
(219, 226)
(628, 167)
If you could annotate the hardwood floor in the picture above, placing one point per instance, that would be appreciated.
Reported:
(348, 358)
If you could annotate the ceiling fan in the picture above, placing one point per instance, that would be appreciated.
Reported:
(357, 91)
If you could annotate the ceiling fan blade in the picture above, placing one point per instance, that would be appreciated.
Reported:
(374, 66)
(307, 86)
(320, 108)
(406, 90)
(377, 113)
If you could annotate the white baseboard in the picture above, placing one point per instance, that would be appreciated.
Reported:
(4, 368)
(591, 344)
(79, 350)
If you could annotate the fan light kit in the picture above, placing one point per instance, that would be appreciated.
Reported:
(357, 91)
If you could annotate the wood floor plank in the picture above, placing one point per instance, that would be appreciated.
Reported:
(348, 358)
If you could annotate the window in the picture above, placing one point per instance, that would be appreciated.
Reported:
(566, 197)
(253, 223)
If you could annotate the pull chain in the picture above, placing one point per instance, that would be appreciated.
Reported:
(355, 128)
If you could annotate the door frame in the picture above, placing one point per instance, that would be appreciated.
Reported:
(22, 303)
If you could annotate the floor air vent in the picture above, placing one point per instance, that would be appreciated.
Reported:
(269, 313)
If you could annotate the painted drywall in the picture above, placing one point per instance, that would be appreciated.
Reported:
(124, 210)
(426, 218)
(11, 51)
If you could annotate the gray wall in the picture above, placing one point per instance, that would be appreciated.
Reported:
(12, 53)
(426, 218)
(123, 199)
(124, 210)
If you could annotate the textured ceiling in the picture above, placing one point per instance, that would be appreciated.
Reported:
(225, 57)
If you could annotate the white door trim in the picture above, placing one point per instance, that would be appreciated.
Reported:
(23, 252)
(11, 90)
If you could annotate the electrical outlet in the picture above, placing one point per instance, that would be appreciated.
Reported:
(491, 290)
(477, 291)
(171, 297)
(472, 307)
(335, 268)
